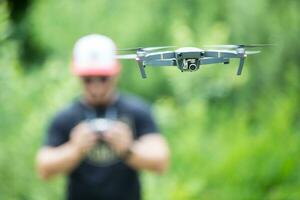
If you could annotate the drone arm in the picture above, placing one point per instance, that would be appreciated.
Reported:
(161, 59)
(205, 61)
(221, 54)
(160, 56)
(169, 62)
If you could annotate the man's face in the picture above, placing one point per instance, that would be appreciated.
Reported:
(99, 90)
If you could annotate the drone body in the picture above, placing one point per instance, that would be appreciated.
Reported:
(188, 59)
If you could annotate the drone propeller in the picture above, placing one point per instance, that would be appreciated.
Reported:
(127, 56)
(146, 48)
(252, 52)
(236, 46)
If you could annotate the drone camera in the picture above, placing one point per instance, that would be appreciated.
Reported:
(192, 67)
(190, 64)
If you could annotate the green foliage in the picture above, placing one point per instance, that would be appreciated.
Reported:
(230, 137)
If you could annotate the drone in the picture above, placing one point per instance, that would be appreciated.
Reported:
(189, 59)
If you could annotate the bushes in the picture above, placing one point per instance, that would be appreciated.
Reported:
(227, 156)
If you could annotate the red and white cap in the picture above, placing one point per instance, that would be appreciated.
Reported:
(95, 55)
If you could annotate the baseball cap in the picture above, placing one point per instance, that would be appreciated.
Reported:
(95, 55)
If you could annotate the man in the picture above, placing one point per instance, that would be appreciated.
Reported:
(102, 164)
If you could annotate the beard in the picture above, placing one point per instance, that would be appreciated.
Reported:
(99, 98)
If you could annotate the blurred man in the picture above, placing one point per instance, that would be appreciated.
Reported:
(104, 138)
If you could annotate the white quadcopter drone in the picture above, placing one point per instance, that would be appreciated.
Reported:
(189, 59)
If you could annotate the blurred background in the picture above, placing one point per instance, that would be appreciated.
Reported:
(231, 137)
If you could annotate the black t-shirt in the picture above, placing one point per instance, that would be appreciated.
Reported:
(102, 174)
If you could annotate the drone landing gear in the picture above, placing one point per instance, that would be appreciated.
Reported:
(142, 69)
(240, 69)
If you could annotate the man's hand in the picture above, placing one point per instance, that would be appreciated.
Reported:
(119, 137)
(83, 138)
(64, 158)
